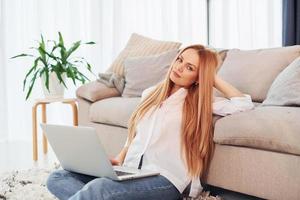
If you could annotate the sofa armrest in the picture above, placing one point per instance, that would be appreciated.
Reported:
(94, 91)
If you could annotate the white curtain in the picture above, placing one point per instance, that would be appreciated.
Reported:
(107, 22)
(245, 24)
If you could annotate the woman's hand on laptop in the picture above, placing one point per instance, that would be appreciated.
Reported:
(114, 161)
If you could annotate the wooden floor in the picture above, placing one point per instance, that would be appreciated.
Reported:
(17, 155)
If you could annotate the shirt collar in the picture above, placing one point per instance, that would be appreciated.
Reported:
(177, 97)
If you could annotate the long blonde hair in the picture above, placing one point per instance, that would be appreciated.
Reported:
(196, 128)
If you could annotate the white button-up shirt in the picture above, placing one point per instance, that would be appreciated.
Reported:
(158, 137)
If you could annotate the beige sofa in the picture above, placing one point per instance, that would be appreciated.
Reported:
(256, 152)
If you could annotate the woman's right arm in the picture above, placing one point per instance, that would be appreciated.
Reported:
(119, 159)
(122, 154)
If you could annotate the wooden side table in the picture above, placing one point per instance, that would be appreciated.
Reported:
(43, 103)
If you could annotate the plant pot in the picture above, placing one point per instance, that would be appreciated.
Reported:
(56, 89)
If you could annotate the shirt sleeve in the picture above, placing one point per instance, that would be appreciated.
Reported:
(223, 106)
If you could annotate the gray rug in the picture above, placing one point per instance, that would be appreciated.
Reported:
(30, 184)
(26, 184)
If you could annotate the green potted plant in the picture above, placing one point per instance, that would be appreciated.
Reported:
(53, 63)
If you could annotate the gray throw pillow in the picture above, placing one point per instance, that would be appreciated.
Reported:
(285, 90)
(144, 72)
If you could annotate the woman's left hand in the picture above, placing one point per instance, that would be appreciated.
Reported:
(226, 88)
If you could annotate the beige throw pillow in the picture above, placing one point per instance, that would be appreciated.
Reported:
(139, 45)
(144, 72)
(95, 91)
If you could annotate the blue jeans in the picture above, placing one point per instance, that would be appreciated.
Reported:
(69, 185)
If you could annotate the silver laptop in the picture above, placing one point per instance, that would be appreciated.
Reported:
(78, 149)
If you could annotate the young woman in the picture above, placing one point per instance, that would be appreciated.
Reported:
(170, 132)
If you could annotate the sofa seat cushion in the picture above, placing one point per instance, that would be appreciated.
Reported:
(114, 111)
(269, 128)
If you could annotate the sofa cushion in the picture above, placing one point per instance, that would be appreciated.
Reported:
(94, 91)
(114, 111)
(144, 72)
(253, 71)
(139, 45)
(285, 90)
(266, 127)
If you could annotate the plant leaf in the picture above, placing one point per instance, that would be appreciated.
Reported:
(47, 79)
(43, 41)
(32, 84)
(62, 48)
(49, 54)
(21, 55)
(35, 63)
(45, 71)
(42, 53)
(53, 49)
(91, 42)
(86, 78)
(71, 74)
(58, 74)
(42, 47)
(89, 67)
(61, 40)
(73, 48)
(81, 78)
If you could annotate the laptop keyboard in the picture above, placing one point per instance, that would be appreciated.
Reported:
(120, 173)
